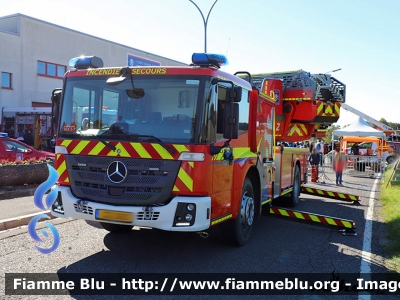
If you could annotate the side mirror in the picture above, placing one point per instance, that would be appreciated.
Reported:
(135, 93)
(231, 121)
(55, 108)
(235, 94)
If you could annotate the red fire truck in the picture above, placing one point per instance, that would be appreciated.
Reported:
(191, 147)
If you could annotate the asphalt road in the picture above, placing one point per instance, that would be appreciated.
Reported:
(276, 246)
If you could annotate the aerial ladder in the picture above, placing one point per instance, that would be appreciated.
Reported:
(385, 128)
(306, 104)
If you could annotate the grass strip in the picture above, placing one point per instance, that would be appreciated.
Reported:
(390, 197)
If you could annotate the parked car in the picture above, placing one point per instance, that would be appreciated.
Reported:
(362, 147)
(12, 149)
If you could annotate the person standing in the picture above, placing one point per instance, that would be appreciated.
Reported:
(315, 158)
(320, 148)
(315, 161)
(355, 150)
(339, 163)
(28, 138)
(311, 147)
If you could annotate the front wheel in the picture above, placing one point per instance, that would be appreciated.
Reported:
(295, 196)
(116, 228)
(239, 229)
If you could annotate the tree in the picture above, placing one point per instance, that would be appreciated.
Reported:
(328, 136)
(391, 124)
(383, 121)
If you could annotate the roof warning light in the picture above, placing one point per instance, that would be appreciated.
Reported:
(86, 62)
(204, 59)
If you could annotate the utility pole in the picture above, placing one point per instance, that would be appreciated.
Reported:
(205, 21)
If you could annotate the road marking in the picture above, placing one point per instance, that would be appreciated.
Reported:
(365, 266)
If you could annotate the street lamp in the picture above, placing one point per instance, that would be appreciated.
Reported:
(205, 23)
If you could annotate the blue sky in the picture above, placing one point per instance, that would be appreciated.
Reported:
(359, 36)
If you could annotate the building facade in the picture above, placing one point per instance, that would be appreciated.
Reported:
(34, 57)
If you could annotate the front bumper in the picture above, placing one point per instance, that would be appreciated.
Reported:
(160, 217)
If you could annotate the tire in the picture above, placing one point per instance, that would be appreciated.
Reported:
(391, 159)
(238, 231)
(295, 195)
(116, 228)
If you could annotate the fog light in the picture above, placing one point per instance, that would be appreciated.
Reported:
(178, 218)
(188, 217)
(190, 207)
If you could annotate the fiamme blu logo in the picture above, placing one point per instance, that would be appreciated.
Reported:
(50, 183)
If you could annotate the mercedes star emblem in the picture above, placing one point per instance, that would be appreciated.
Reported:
(117, 172)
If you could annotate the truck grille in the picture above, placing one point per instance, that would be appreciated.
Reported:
(85, 209)
(147, 181)
(150, 216)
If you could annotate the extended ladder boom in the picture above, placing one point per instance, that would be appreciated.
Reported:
(380, 125)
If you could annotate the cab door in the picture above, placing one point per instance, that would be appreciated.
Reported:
(222, 182)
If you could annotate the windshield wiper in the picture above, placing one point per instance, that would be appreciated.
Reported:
(105, 143)
(169, 149)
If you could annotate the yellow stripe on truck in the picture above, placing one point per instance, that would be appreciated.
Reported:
(61, 168)
(96, 149)
(81, 145)
(121, 151)
(181, 148)
(186, 179)
(162, 151)
(65, 143)
(140, 150)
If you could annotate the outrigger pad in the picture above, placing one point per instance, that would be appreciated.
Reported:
(330, 194)
(312, 218)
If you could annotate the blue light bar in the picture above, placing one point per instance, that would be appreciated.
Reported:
(86, 62)
(3, 134)
(204, 59)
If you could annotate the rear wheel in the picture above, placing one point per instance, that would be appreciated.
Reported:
(116, 227)
(238, 230)
(295, 196)
(391, 159)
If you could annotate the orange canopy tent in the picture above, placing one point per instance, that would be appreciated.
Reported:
(360, 139)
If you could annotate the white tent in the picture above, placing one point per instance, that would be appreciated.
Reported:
(359, 128)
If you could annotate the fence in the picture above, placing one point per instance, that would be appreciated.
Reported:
(359, 165)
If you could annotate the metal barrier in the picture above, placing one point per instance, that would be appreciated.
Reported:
(356, 165)
(364, 165)
(325, 164)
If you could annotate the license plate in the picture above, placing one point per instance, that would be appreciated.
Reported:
(111, 215)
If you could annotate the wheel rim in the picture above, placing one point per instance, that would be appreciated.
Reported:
(247, 211)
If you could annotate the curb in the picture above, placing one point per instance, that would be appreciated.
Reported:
(17, 222)
(17, 194)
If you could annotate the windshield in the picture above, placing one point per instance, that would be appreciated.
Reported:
(164, 109)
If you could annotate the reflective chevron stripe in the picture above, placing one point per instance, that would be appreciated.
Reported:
(183, 182)
(220, 219)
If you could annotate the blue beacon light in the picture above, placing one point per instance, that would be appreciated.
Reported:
(204, 59)
(86, 62)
